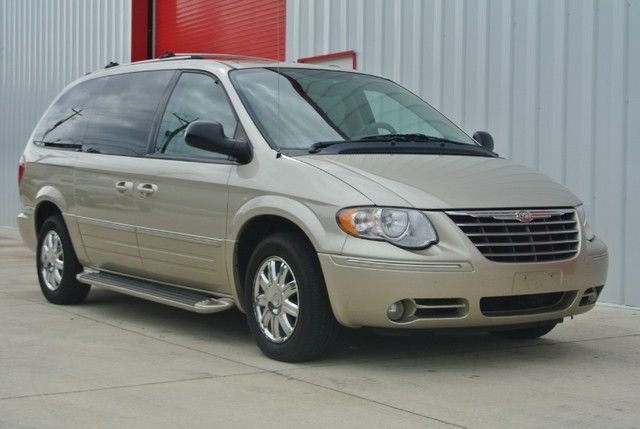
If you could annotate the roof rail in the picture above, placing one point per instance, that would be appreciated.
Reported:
(169, 56)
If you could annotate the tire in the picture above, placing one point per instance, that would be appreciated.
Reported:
(525, 333)
(58, 281)
(314, 328)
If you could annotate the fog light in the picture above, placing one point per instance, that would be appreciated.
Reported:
(395, 311)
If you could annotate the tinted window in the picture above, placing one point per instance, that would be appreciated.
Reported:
(112, 114)
(66, 119)
(121, 119)
(196, 97)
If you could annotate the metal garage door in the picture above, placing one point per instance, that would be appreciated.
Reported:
(252, 27)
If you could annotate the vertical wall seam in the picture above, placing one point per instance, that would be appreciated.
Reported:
(511, 71)
(565, 75)
(625, 142)
(536, 130)
(592, 113)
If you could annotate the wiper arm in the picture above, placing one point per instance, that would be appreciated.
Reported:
(64, 144)
(317, 147)
(75, 112)
(416, 137)
(391, 138)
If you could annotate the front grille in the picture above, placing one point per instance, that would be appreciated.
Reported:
(526, 304)
(521, 235)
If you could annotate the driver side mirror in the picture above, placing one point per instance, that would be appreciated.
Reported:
(485, 139)
(209, 136)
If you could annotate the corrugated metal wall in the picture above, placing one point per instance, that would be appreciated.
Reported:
(556, 82)
(44, 45)
(247, 27)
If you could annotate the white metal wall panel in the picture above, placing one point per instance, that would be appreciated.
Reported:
(44, 45)
(556, 83)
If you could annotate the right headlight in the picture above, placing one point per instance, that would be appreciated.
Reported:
(585, 222)
(406, 228)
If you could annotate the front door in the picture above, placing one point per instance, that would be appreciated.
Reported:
(182, 195)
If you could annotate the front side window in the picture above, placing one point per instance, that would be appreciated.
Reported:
(296, 108)
(196, 96)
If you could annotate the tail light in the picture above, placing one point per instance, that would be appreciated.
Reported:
(22, 165)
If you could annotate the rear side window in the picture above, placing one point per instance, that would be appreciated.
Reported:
(110, 115)
(66, 120)
(196, 96)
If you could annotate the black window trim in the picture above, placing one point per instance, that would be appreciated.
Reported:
(160, 113)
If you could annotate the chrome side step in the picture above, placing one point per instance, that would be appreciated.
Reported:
(198, 302)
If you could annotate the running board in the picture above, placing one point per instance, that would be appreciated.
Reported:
(187, 299)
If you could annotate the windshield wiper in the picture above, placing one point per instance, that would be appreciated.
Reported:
(319, 146)
(415, 137)
(63, 144)
(75, 112)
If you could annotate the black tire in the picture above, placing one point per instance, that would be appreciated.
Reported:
(69, 290)
(315, 327)
(525, 333)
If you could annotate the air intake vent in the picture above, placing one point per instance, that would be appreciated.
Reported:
(526, 304)
(440, 307)
(521, 235)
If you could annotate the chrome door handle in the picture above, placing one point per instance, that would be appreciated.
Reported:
(147, 189)
(123, 186)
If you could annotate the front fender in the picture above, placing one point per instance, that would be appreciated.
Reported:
(318, 223)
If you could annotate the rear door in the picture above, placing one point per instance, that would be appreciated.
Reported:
(182, 196)
(119, 124)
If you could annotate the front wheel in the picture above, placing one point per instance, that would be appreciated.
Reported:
(288, 309)
(57, 264)
(525, 333)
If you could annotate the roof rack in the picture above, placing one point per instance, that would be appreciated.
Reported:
(168, 56)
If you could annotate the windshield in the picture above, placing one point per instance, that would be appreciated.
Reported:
(297, 108)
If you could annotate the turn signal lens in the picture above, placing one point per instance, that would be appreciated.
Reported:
(585, 222)
(406, 228)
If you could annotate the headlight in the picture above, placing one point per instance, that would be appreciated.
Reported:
(406, 228)
(585, 222)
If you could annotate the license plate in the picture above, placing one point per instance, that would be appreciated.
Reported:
(537, 281)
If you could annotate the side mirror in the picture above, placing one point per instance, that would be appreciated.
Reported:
(485, 139)
(209, 135)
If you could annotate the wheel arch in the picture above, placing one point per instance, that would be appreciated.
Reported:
(262, 217)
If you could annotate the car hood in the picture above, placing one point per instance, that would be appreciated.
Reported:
(444, 181)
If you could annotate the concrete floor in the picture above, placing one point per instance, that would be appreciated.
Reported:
(117, 361)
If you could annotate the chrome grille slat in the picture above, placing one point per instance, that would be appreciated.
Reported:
(546, 234)
(526, 243)
(508, 234)
(555, 252)
(515, 223)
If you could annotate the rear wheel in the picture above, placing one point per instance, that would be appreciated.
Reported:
(525, 333)
(58, 265)
(288, 309)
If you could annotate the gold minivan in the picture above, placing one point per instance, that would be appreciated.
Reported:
(307, 197)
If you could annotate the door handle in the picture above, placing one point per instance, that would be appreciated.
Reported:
(147, 189)
(124, 187)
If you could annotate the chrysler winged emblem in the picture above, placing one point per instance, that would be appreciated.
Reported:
(524, 216)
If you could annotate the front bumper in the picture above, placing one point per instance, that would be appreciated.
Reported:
(361, 288)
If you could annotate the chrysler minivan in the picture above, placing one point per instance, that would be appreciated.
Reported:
(307, 197)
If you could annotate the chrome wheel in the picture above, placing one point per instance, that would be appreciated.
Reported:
(275, 299)
(51, 260)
